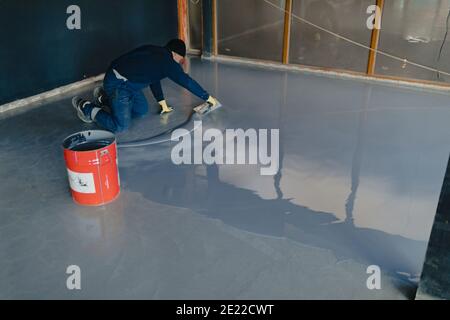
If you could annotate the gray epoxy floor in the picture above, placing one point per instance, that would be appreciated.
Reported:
(361, 171)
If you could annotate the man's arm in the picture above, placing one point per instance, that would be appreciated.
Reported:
(159, 96)
(177, 75)
(157, 91)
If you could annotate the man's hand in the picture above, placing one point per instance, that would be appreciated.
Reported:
(212, 101)
(164, 107)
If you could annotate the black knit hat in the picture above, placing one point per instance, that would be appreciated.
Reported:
(177, 46)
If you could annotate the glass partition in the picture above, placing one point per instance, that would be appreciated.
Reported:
(414, 30)
(311, 46)
(195, 24)
(250, 29)
(410, 29)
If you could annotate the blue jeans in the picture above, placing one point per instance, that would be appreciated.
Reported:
(126, 101)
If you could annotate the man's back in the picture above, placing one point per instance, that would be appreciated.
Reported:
(146, 64)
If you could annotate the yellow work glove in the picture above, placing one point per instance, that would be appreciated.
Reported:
(212, 101)
(164, 107)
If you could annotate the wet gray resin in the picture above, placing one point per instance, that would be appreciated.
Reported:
(361, 167)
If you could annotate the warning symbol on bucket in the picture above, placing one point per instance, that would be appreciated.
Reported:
(81, 182)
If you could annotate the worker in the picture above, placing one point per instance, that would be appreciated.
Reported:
(125, 79)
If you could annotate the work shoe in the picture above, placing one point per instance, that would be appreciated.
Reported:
(83, 113)
(100, 96)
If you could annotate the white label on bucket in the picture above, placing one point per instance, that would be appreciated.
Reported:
(81, 182)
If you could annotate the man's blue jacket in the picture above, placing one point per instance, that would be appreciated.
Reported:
(148, 65)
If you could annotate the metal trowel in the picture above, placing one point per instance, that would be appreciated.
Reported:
(206, 108)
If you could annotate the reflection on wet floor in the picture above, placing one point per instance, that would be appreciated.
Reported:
(361, 168)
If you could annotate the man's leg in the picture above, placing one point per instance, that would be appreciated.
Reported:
(121, 107)
(140, 105)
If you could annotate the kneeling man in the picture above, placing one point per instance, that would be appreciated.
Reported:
(125, 79)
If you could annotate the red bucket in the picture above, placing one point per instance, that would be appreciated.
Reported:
(91, 161)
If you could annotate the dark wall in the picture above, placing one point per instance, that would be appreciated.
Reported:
(435, 279)
(39, 53)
